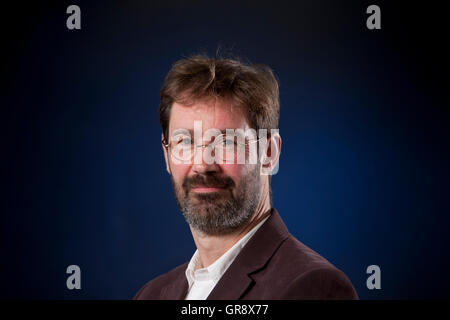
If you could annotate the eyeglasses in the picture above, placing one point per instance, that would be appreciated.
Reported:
(226, 148)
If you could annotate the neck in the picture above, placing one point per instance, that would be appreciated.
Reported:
(211, 247)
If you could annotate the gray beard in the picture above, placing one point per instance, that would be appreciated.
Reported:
(220, 213)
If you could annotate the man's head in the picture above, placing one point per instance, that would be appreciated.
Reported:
(218, 198)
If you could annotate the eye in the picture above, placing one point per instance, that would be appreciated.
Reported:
(228, 142)
(184, 141)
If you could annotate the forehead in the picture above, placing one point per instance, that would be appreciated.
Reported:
(213, 113)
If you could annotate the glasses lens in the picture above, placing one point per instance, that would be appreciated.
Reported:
(181, 148)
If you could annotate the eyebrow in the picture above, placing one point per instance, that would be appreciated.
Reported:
(182, 131)
(191, 132)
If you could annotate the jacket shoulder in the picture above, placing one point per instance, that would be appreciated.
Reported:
(322, 283)
(152, 290)
(302, 273)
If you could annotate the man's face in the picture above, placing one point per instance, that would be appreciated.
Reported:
(214, 198)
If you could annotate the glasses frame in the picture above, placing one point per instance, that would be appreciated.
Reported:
(167, 145)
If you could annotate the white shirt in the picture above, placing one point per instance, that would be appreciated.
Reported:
(202, 281)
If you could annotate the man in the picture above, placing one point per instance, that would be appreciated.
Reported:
(210, 112)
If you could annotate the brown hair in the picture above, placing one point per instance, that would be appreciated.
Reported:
(253, 87)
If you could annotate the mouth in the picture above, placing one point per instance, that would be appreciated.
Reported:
(204, 189)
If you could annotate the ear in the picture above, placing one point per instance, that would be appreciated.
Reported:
(270, 158)
(166, 157)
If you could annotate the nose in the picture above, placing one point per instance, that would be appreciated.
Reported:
(203, 163)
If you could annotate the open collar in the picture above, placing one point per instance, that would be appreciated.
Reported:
(252, 258)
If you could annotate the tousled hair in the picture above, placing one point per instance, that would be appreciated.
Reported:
(252, 87)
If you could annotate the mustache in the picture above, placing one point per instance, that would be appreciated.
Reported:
(211, 181)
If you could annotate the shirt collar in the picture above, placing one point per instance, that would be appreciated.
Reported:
(215, 271)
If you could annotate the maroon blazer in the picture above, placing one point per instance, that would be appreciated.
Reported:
(273, 265)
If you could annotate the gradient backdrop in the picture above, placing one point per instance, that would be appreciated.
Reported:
(364, 171)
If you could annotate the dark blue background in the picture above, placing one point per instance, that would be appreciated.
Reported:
(364, 171)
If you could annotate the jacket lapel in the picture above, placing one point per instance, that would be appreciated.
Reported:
(254, 256)
(177, 289)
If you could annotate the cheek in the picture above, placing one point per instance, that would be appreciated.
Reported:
(237, 171)
(179, 172)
